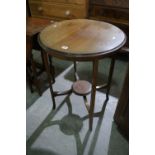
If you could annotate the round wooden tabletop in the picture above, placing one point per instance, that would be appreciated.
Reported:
(81, 38)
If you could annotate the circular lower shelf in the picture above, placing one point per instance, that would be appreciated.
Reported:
(81, 87)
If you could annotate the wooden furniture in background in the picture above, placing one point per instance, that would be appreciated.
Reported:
(115, 11)
(121, 116)
(112, 11)
(82, 40)
(59, 9)
(33, 27)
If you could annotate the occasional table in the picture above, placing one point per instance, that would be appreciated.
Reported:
(81, 40)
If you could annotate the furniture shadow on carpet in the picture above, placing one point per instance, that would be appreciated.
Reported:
(65, 131)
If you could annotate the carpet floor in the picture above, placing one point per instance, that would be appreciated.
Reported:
(64, 131)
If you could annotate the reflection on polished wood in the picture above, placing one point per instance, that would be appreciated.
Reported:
(82, 36)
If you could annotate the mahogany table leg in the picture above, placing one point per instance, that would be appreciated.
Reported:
(110, 77)
(52, 70)
(45, 55)
(42, 58)
(76, 77)
(93, 93)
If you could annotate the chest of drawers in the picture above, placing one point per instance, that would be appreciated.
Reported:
(59, 9)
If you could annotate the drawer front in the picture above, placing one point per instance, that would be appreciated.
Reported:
(109, 12)
(57, 10)
(80, 2)
(113, 3)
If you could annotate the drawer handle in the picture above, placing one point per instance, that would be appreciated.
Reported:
(67, 13)
(40, 9)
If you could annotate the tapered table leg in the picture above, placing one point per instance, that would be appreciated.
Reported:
(45, 55)
(52, 69)
(110, 77)
(93, 93)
